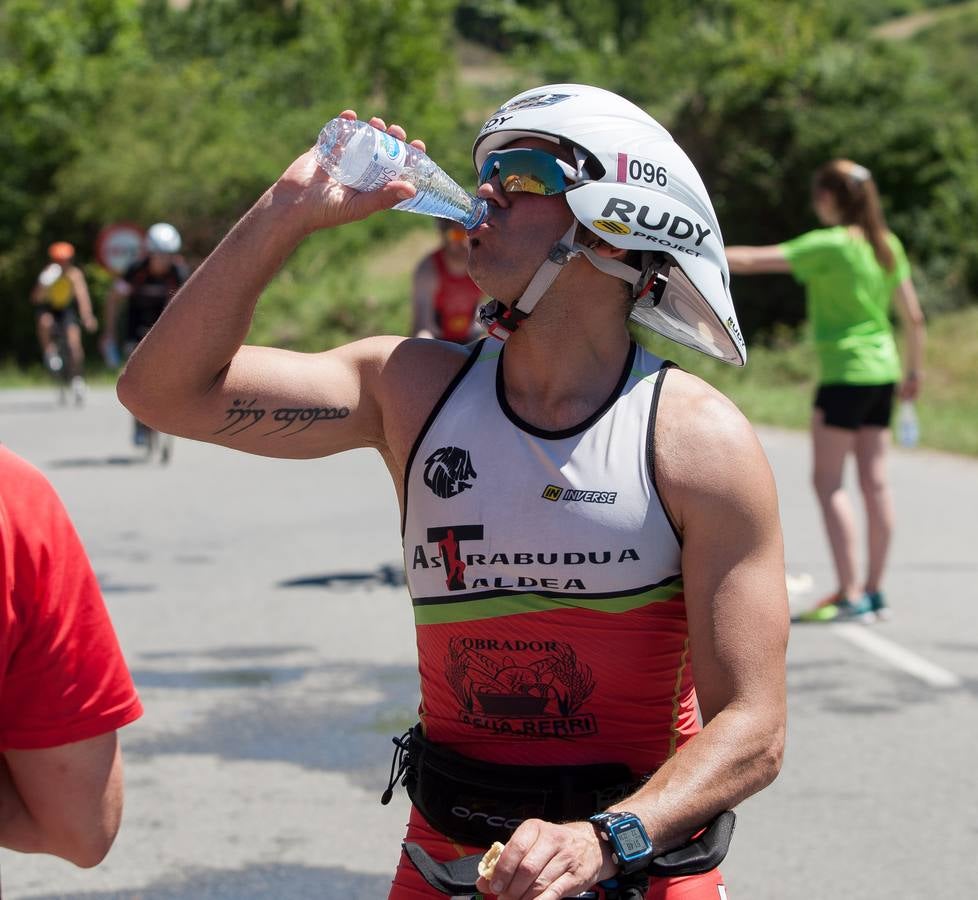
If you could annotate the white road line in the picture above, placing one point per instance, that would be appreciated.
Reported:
(897, 656)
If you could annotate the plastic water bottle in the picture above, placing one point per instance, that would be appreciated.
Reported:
(365, 159)
(907, 424)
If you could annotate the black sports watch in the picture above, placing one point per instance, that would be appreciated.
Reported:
(631, 848)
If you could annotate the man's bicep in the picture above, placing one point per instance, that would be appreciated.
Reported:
(734, 581)
(286, 404)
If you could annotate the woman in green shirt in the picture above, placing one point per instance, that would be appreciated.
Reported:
(853, 270)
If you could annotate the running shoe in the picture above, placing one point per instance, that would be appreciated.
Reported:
(53, 362)
(840, 611)
(78, 389)
(878, 604)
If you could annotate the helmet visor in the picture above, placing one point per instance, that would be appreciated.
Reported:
(683, 315)
(527, 171)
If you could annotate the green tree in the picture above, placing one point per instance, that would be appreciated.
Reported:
(121, 109)
(52, 84)
(760, 93)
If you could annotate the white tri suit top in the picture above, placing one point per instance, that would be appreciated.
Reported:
(545, 578)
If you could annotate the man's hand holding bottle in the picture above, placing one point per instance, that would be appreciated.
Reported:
(324, 202)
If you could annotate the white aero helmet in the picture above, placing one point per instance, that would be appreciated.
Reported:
(162, 238)
(638, 191)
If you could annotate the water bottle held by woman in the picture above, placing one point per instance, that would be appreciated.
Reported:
(908, 426)
(365, 159)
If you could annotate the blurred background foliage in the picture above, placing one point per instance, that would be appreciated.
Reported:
(759, 93)
(141, 110)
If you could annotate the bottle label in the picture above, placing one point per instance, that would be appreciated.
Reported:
(386, 166)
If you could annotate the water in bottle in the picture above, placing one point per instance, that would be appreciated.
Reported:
(908, 427)
(365, 159)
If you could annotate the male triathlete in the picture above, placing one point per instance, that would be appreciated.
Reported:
(586, 530)
(64, 685)
(60, 297)
(445, 300)
(146, 286)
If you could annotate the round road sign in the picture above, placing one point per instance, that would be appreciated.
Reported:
(118, 246)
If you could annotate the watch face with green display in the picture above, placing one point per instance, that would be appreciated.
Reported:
(631, 849)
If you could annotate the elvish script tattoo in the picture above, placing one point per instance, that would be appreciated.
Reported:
(242, 416)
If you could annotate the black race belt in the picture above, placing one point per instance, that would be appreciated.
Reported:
(476, 803)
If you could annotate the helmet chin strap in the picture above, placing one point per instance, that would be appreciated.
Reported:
(612, 266)
(501, 321)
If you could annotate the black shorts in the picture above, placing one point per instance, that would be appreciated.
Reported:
(63, 316)
(853, 406)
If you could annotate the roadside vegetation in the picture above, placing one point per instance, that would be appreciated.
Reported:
(142, 110)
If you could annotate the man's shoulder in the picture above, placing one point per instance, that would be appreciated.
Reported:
(699, 430)
(421, 364)
(701, 400)
(410, 377)
(405, 363)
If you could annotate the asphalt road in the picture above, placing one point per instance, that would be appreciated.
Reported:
(262, 611)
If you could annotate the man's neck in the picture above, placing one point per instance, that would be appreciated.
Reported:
(560, 367)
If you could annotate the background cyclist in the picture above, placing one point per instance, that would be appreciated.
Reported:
(146, 287)
(445, 299)
(60, 297)
(854, 270)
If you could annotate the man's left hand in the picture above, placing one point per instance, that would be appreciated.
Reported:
(543, 861)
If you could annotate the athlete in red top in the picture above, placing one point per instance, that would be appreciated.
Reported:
(445, 298)
(595, 215)
(64, 685)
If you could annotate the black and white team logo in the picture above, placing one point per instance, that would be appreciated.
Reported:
(448, 471)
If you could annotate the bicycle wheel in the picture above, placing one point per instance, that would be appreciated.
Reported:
(165, 443)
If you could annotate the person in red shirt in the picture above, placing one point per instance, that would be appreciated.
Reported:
(64, 685)
(445, 299)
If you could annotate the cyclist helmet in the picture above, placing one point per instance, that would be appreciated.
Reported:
(61, 251)
(636, 189)
(162, 238)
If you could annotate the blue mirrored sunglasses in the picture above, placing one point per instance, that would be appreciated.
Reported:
(528, 171)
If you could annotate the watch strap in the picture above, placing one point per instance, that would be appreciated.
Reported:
(604, 823)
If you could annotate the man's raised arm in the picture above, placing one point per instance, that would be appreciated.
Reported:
(191, 375)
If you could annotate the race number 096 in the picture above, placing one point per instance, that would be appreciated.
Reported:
(648, 172)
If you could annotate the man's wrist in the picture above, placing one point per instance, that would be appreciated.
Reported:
(608, 867)
(628, 844)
